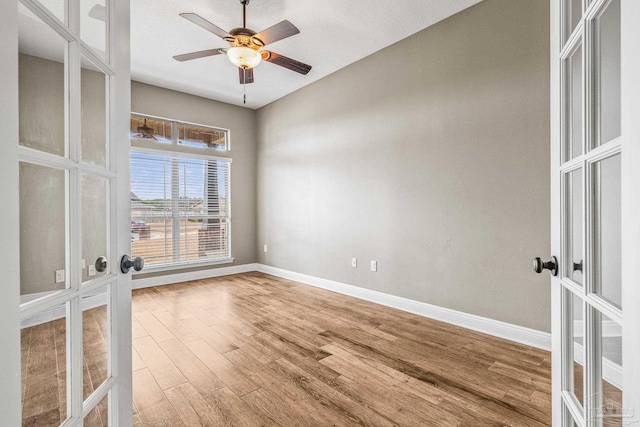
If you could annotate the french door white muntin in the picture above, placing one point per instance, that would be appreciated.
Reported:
(595, 153)
(88, 182)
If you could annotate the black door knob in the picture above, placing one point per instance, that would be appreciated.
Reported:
(577, 266)
(126, 263)
(552, 265)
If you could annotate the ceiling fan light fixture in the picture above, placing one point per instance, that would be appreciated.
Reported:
(244, 57)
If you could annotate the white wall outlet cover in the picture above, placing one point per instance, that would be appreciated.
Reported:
(92, 270)
(59, 276)
(374, 266)
(265, 248)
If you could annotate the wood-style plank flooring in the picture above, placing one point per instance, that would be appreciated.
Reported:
(256, 350)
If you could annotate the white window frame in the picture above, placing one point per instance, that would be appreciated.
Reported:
(176, 150)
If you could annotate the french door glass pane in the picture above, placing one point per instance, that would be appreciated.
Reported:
(607, 232)
(93, 27)
(95, 339)
(99, 415)
(41, 79)
(573, 14)
(95, 196)
(42, 230)
(93, 93)
(610, 408)
(44, 368)
(57, 7)
(573, 108)
(577, 343)
(574, 226)
(608, 84)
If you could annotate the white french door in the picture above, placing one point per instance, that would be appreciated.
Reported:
(68, 318)
(595, 293)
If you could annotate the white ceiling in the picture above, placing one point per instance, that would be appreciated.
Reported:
(333, 34)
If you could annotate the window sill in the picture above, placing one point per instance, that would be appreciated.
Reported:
(183, 266)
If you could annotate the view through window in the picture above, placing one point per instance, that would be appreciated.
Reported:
(180, 193)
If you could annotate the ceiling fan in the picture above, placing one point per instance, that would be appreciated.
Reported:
(245, 45)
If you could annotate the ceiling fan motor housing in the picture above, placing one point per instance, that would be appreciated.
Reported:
(244, 37)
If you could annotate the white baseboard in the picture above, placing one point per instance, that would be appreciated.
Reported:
(168, 279)
(519, 334)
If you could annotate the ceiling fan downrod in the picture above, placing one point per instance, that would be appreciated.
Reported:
(244, 3)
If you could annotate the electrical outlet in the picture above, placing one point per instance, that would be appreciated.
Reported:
(59, 276)
(374, 265)
(265, 248)
(354, 262)
(92, 270)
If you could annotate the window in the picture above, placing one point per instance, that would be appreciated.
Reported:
(180, 193)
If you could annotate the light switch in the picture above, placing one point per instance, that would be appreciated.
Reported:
(59, 276)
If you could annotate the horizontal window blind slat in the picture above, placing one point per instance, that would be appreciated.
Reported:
(179, 208)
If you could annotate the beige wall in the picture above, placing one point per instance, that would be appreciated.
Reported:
(430, 157)
(156, 101)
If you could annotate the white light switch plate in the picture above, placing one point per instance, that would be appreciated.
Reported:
(92, 270)
(354, 262)
(265, 248)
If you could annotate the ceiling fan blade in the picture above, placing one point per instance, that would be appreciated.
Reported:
(199, 54)
(280, 31)
(246, 75)
(200, 21)
(291, 64)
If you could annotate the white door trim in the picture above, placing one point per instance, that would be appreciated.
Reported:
(10, 405)
(630, 14)
(120, 88)
(556, 288)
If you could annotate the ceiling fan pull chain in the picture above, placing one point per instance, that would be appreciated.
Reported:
(244, 85)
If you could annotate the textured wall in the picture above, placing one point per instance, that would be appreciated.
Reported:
(156, 101)
(430, 157)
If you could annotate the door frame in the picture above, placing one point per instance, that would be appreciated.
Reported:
(120, 95)
(630, 33)
(120, 88)
(10, 401)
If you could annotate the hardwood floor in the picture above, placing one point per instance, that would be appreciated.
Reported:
(256, 350)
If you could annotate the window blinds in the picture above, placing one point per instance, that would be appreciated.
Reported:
(180, 208)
